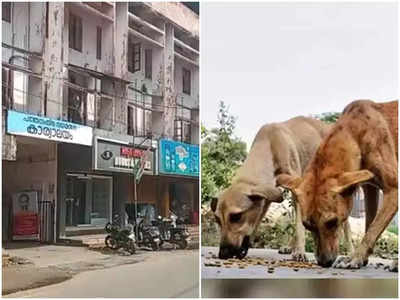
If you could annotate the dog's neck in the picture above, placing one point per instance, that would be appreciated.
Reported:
(258, 167)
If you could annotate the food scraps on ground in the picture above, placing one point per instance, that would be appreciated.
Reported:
(258, 261)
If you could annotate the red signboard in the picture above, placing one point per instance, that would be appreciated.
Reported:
(131, 152)
(26, 224)
(25, 216)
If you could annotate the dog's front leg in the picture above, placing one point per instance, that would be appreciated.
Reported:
(378, 225)
(298, 251)
(347, 237)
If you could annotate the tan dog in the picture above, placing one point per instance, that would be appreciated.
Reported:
(361, 148)
(280, 148)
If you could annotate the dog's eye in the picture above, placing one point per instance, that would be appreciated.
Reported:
(234, 218)
(331, 224)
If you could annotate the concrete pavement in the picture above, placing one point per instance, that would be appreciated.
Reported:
(261, 271)
(165, 274)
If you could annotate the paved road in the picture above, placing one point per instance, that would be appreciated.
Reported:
(260, 271)
(166, 275)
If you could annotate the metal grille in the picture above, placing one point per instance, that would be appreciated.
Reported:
(46, 225)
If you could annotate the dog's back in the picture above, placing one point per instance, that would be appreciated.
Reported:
(281, 148)
(372, 124)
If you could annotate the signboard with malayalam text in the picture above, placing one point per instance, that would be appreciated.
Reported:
(49, 129)
(178, 158)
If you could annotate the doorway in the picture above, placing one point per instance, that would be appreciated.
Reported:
(88, 202)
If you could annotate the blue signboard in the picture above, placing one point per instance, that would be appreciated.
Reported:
(49, 129)
(178, 158)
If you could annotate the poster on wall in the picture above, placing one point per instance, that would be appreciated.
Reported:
(48, 129)
(179, 158)
(25, 216)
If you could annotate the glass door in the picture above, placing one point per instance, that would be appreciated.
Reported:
(88, 201)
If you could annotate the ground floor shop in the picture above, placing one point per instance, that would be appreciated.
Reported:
(29, 181)
(160, 195)
(78, 186)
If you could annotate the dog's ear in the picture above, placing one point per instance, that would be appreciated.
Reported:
(271, 194)
(349, 179)
(214, 203)
(288, 181)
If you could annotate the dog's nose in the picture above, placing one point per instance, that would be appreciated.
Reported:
(225, 252)
(325, 261)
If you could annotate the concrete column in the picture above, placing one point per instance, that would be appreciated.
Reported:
(121, 114)
(169, 88)
(9, 143)
(121, 40)
(53, 60)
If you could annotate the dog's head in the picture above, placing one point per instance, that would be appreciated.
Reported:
(325, 205)
(238, 211)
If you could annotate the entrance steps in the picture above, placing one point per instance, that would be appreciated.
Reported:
(90, 241)
(97, 240)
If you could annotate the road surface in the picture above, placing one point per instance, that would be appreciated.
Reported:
(166, 275)
(233, 271)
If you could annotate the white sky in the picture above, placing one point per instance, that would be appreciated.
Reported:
(273, 61)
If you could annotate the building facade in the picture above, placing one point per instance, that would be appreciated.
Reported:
(89, 89)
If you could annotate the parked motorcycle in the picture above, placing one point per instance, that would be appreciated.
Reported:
(171, 232)
(147, 234)
(120, 238)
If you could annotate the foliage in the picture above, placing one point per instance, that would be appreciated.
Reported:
(221, 154)
(328, 117)
(393, 229)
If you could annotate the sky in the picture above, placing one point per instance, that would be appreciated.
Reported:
(270, 62)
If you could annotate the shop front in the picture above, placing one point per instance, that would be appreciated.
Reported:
(86, 195)
(179, 179)
(30, 182)
(122, 159)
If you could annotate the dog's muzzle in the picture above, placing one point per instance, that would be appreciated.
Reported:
(326, 261)
(228, 251)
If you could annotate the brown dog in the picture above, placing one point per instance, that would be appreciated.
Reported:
(361, 148)
(280, 148)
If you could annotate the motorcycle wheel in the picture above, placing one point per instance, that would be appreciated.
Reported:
(111, 242)
(108, 227)
(130, 247)
(155, 246)
(183, 244)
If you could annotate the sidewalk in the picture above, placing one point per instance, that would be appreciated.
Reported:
(49, 264)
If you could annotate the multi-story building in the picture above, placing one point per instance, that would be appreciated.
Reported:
(89, 89)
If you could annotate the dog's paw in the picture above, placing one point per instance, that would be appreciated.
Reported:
(346, 262)
(393, 267)
(299, 256)
(285, 250)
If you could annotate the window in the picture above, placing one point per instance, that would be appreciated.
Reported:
(131, 121)
(134, 57)
(183, 131)
(139, 121)
(19, 95)
(6, 16)
(186, 81)
(148, 59)
(99, 33)
(75, 33)
(6, 76)
(77, 109)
